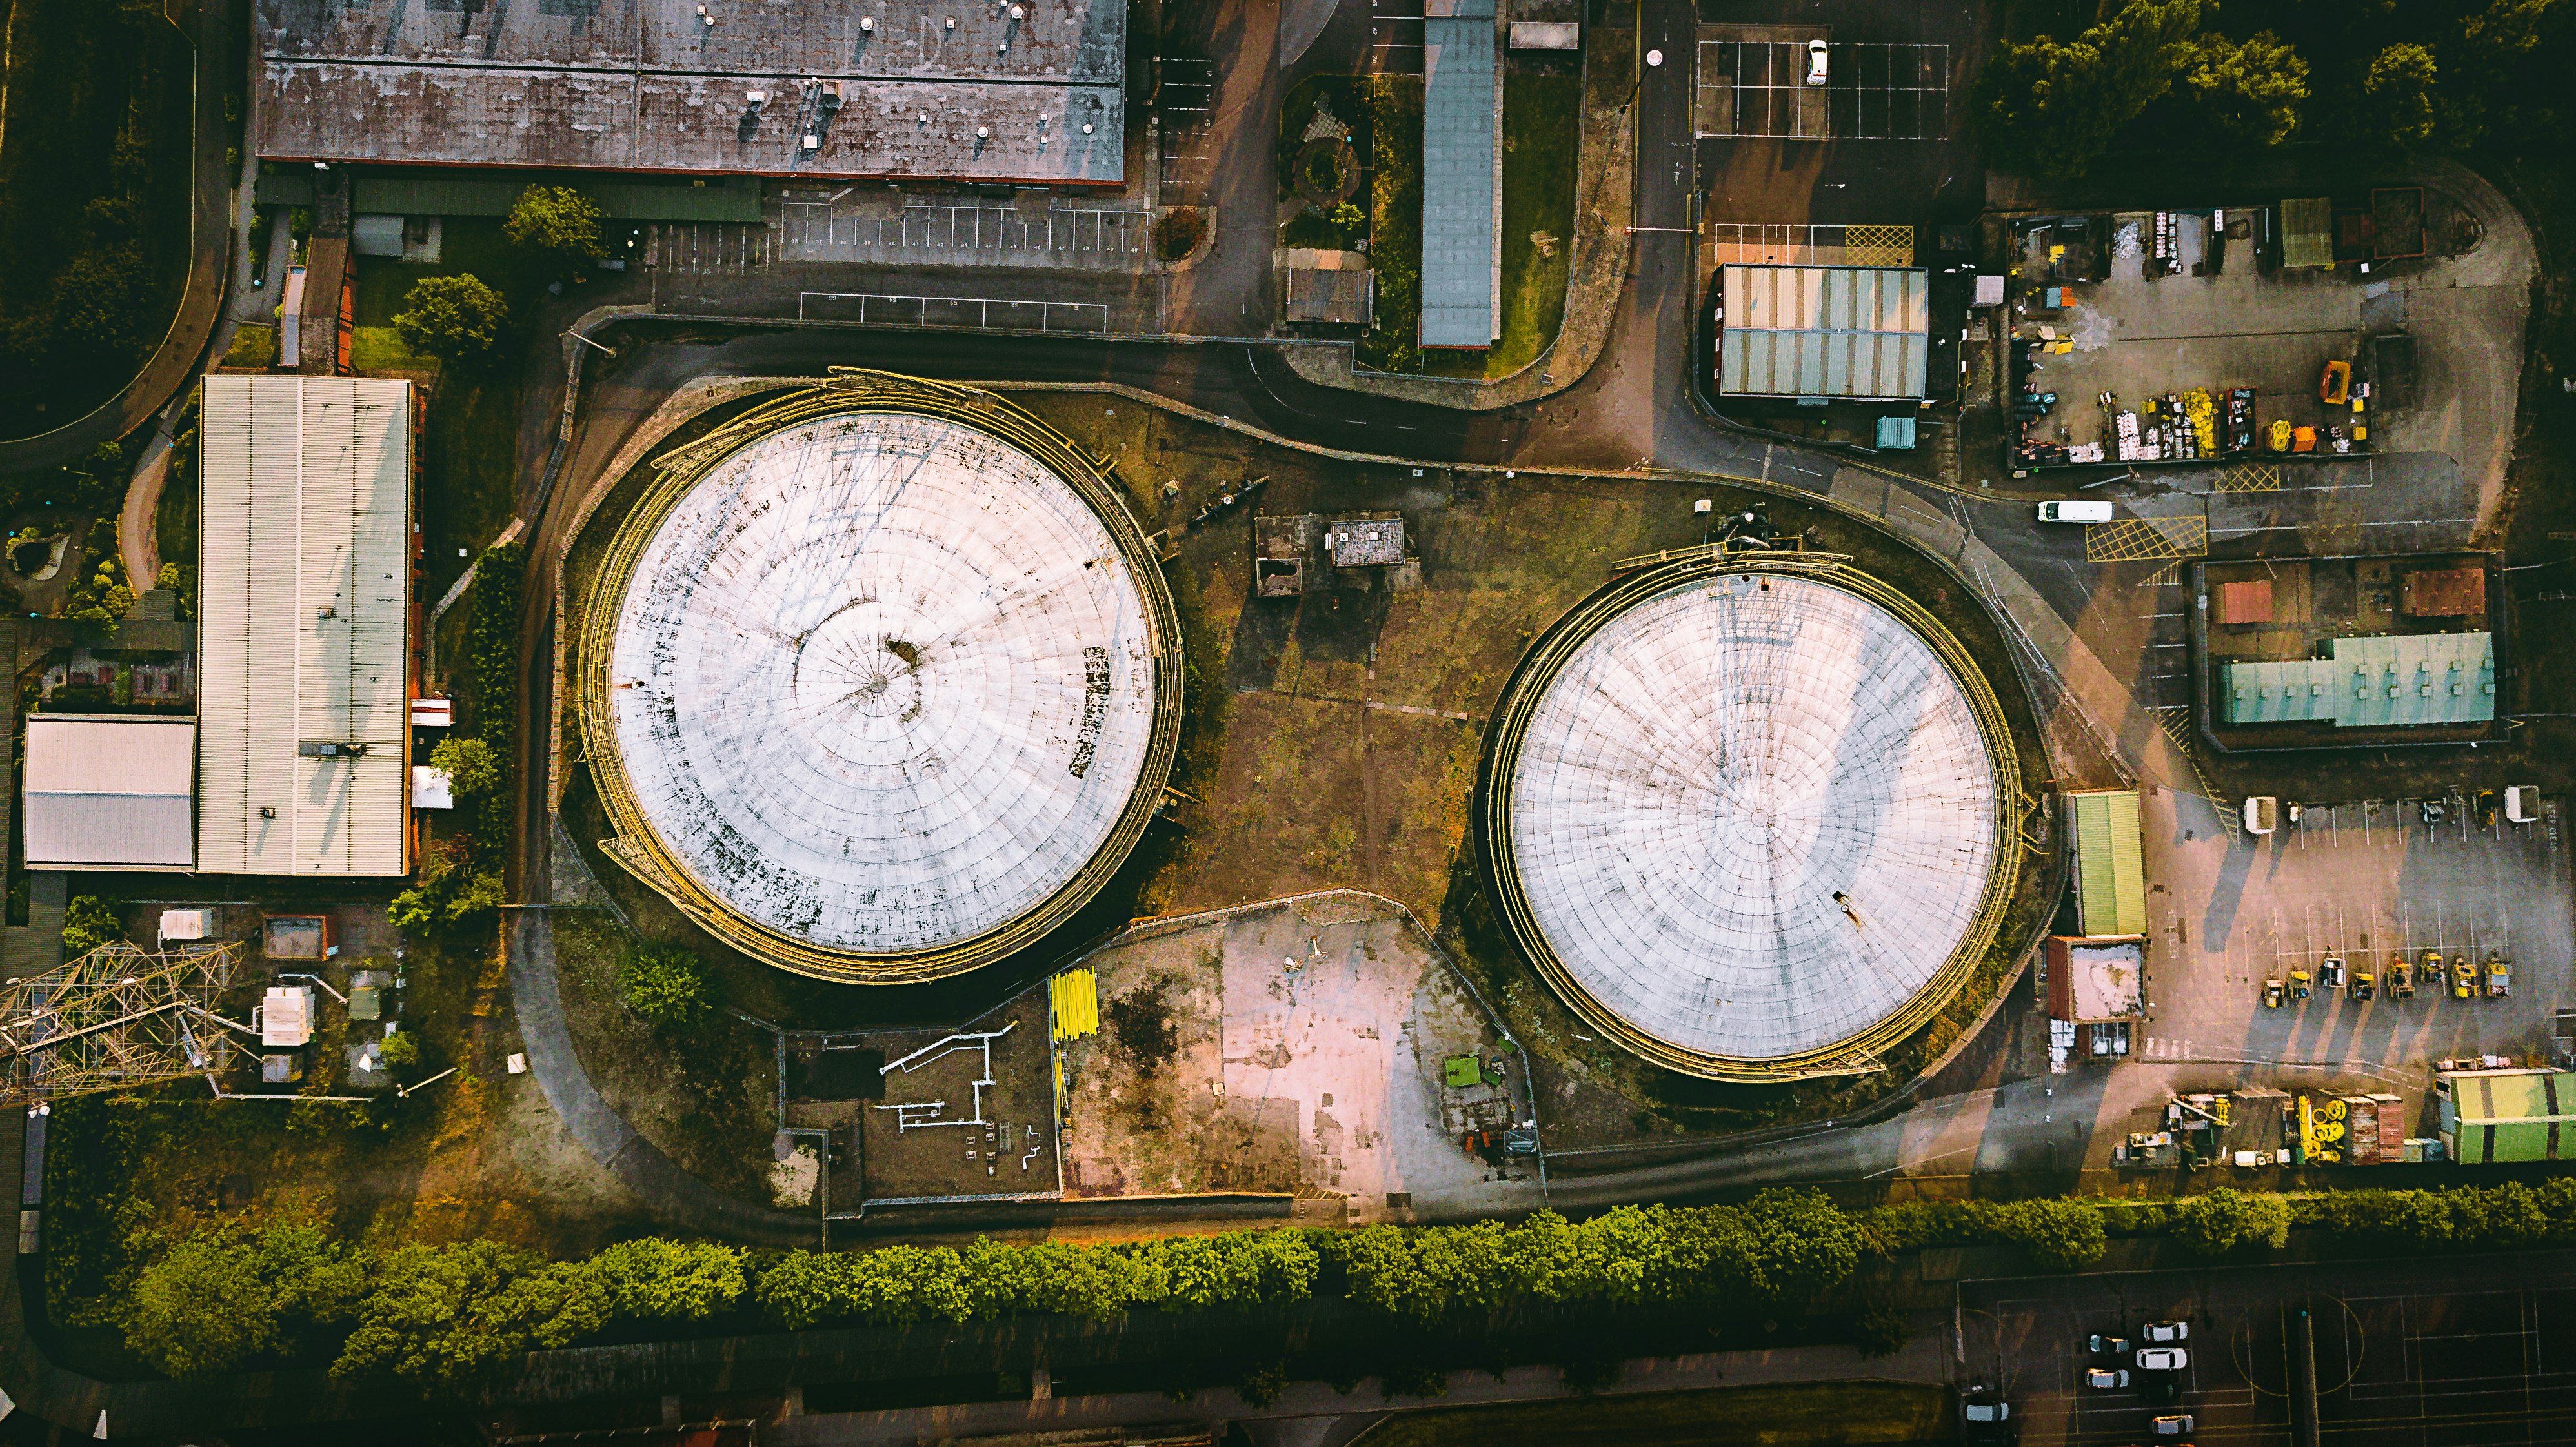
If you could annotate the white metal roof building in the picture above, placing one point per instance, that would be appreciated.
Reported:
(882, 687)
(1861, 332)
(1751, 823)
(304, 606)
(109, 792)
(1462, 176)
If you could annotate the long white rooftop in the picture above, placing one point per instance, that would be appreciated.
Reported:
(1754, 817)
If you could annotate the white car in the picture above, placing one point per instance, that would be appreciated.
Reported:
(1816, 52)
(2162, 1359)
(2165, 1333)
(2105, 1377)
(2075, 510)
(2177, 1424)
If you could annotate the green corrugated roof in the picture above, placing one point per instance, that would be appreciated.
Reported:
(2307, 232)
(455, 193)
(2384, 682)
(2110, 870)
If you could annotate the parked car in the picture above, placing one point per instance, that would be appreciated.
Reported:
(2464, 980)
(2165, 1333)
(1817, 54)
(2105, 1378)
(2486, 807)
(2171, 1424)
(2330, 970)
(1985, 1418)
(2499, 977)
(2434, 974)
(2273, 992)
(2401, 978)
(2299, 984)
(2363, 986)
(2107, 1346)
(2162, 1359)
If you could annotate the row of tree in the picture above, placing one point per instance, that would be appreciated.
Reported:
(443, 1315)
(2403, 73)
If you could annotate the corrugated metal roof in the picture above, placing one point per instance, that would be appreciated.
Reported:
(1083, 40)
(657, 121)
(1462, 180)
(308, 480)
(2111, 885)
(109, 793)
(1824, 331)
(2384, 682)
(2307, 232)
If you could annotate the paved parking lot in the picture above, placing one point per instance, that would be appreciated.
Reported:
(2363, 880)
(2461, 1352)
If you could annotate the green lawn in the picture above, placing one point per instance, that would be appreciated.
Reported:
(1395, 222)
(1542, 129)
(1815, 1414)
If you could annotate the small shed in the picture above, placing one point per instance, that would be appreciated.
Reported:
(2486, 1116)
(2245, 603)
(2444, 593)
(286, 1016)
(1330, 286)
(2097, 986)
(2110, 868)
(1366, 541)
(2307, 232)
(110, 792)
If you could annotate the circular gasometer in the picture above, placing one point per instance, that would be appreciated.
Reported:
(1747, 817)
(887, 681)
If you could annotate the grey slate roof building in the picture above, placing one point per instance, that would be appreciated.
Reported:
(1028, 90)
(1462, 176)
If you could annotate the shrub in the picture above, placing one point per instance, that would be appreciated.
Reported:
(471, 766)
(1262, 1383)
(1880, 1332)
(2218, 1222)
(451, 317)
(1178, 232)
(557, 220)
(401, 1049)
(87, 924)
(451, 894)
(664, 984)
(492, 648)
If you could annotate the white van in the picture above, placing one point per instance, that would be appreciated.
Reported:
(2074, 511)
(2262, 814)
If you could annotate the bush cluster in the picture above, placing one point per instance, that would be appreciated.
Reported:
(442, 1315)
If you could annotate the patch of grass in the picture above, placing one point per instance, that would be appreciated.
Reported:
(1809, 1414)
(469, 467)
(468, 245)
(1395, 222)
(254, 346)
(380, 349)
(1542, 134)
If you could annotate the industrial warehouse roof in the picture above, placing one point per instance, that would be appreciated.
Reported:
(109, 792)
(650, 85)
(303, 626)
(1462, 176)
(2110, 872)
(692, 123)
(1754, 816)
(882, 682)
(2425, 678)
(2095, 979)
(1824, 331)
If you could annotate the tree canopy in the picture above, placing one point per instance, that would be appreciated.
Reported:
(558, 220)
(451, 318)
(2052, 107)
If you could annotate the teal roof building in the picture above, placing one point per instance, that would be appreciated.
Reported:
(2391, 682)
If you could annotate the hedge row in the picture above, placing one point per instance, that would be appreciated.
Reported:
(492, 648)
(433, 1315)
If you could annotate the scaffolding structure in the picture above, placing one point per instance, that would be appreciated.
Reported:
(117, 1018)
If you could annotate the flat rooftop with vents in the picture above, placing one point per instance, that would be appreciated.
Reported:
(1025, 91)
(2347, 651)
(304, 610)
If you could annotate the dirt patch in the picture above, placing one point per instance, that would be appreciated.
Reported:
(961, 1112)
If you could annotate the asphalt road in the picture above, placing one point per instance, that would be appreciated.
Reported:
(2407, 1350)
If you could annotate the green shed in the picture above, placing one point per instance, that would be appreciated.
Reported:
(2110, 865)
(2485, 1116)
